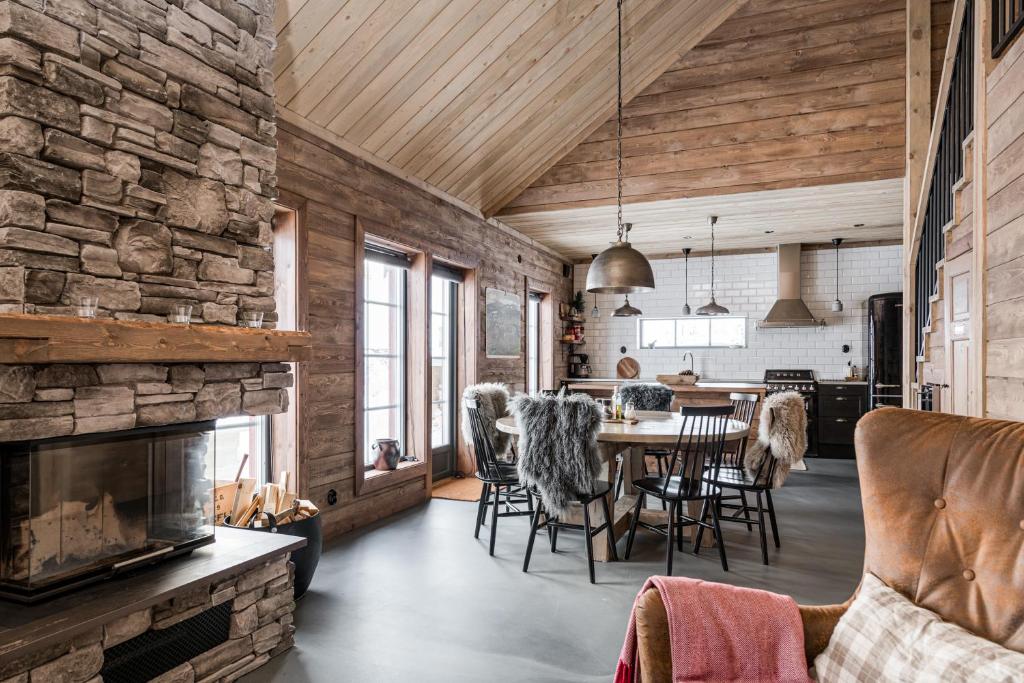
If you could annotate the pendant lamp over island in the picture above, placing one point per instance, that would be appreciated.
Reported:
(627, 311)
(686, 280)
(712, 307)
(837, 305)
(620, 269)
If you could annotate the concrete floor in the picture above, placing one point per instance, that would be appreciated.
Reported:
(416, 598)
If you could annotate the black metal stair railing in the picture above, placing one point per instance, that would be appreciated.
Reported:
(1007, 22)
(957, 124)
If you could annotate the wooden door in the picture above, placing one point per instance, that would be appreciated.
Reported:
(958, 393)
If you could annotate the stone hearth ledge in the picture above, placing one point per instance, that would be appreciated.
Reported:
(65, 638)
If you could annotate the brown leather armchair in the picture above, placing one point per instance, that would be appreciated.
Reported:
(944, 523)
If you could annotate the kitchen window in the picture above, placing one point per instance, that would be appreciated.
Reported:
(692, 332)
(385, 349)
(533, 342)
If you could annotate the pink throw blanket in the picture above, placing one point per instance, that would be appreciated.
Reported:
(723, 633)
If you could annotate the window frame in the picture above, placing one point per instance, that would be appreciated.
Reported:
(403, 356)
(677, 319)
(534, 304)
(416, 428)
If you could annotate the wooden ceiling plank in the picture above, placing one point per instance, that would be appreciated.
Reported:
(345, 112)
(708, 137)
(495, 80)
(568, 97)
(352, 63)
(651, 42)
(698, 28)
(463, 141)
(468, 62)
(310, 39)
(284, 10)
(453, 52)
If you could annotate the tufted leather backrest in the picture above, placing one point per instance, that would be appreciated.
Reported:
(944, 515)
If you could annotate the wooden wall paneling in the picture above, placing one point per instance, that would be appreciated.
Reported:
(347, 197)
(418, 372)
(767, 91)
(918, 127)
(1003, 234)
(979, 210)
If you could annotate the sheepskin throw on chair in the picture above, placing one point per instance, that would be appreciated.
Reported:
(646, 396)
(558, 446)
(781, 434)
(492, 400)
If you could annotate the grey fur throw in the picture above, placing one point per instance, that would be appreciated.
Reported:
(558, 446)
(646, 396)
(492, 401)
(782, 434)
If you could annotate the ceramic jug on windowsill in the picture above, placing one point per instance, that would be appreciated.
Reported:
(388, 454)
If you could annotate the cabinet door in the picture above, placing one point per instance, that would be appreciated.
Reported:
(841, 406)
(836, 430)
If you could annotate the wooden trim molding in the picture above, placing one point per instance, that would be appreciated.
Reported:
(546, 328)
(360, 349)
(62, 339)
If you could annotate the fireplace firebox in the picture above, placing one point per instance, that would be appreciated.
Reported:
(77, 509)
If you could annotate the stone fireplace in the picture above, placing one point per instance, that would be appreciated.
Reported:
(137, 166)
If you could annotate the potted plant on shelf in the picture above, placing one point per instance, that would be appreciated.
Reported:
(578, 304)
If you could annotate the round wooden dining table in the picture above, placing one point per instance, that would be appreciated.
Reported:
(653, 429)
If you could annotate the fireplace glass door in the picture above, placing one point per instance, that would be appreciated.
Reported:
(81, 507)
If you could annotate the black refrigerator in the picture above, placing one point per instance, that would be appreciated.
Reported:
(885, 350)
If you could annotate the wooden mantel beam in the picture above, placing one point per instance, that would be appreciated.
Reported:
(36, 339)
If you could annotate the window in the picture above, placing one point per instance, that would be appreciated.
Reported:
(533, 343)
(385, 349)
(243, 438)
(696, 331)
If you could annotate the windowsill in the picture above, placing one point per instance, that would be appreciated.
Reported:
(377, 480)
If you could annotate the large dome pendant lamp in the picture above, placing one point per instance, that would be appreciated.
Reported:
(712, 307)
(620, 269)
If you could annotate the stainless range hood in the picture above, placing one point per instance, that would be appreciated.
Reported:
(789, 310)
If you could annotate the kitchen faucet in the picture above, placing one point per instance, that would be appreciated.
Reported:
(691, 360)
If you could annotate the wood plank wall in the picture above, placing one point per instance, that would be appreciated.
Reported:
(784, 93)
(1004, 305)
(330, 189)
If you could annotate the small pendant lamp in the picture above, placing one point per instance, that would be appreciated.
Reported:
(712, 307)
(620, 269)
(595, 312)
(627, 311)
(686, 280)
(837, 305)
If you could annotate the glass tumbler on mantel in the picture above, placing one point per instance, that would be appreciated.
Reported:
(87, 306)
(250, 319)
(180, 314)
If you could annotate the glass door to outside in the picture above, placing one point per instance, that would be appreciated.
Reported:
(443, 330)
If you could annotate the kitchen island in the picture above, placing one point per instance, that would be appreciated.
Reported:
(703, 393)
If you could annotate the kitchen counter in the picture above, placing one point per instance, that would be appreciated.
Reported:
(703, 393)
(843, 381)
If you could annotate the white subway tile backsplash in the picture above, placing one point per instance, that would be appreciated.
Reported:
(746, 285)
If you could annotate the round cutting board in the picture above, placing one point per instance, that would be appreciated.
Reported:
(627, 368)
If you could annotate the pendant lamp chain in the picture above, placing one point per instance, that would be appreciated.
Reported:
(714, 219)
(620, 269)
(618, 129)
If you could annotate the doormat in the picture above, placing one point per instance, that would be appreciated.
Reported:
(466, 489)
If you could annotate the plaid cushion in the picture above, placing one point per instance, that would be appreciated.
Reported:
(885, 637)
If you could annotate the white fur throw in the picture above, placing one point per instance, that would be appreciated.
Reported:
(492, 403)
(558, 446)
(781, 433)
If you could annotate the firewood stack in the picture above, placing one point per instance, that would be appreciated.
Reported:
(239, 504)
